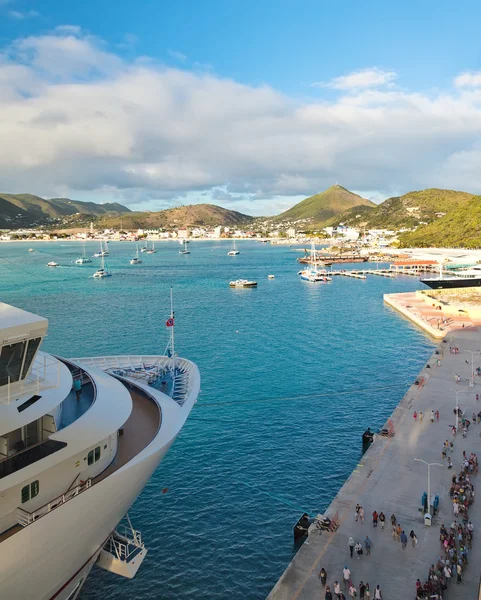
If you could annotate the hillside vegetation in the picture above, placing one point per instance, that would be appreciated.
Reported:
(405, 211)
(460, 228)
(319, 208)
(207, 215)
(27, 210)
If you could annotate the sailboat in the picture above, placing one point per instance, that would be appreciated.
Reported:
(144, 248)
(102, 252)
(102, 271)
(136, 260)
(152, 250)
(81, 260)
(234, 251)
(312, 273)
(184, 249)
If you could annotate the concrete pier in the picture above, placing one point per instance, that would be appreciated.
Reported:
(388, 479)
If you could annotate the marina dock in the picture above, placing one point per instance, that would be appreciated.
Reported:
(388, 479)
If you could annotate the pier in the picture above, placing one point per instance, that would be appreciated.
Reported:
(388, 479)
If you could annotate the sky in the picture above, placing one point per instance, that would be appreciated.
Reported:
(252, 105)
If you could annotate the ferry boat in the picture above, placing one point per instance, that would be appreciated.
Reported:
(72, 463)
(234, 251)
(242, 283)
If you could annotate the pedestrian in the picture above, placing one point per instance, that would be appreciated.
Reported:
(413, 537)
(382, 520)
(459, 571)
(352, 591)
(77, 386)
(361, 514)
(368, 591)
(362, 591)
(421, 416)
(404, 539)
(367, 545)
(328, 594)
(447, 574)
(477, 397)
(323, 576)
(358, 549)
(437, 415)
(415, 415)
(350, 543)
(374, 518)
(346, 575)
(432, 416)
(377, 593)
(393, 519)
(337, 590)
(357, 511)
(450, 463)
(398, 532)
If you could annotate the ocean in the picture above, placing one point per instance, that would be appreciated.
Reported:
(292, 374)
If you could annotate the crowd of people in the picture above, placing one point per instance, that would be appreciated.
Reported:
(457, 539)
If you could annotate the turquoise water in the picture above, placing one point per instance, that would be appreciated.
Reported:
(292, 374)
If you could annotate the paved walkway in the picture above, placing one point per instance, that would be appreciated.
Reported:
(388, 479)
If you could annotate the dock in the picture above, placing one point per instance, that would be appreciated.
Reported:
(388, 479)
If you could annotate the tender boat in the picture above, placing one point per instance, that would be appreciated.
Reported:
(136, 260)
(52, 263)
(79, 440)
(234, 251)
(242, 283)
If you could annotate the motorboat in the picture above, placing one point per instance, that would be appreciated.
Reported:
(52, 263)
(234, 251)
(31, 250)
(271, 277)
(242, 283)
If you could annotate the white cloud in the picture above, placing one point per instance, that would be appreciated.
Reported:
(365, 78)
(83, 122)
(19, 15)
(468, 79)
(175, 54)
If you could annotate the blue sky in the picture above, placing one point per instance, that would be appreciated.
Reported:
(264, 102)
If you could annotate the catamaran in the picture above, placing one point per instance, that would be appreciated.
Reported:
(136, 260)
(184, 249)
(102, 271)
(234, 251)
(79, 440)
(102, 252)
(82, 260)
(152, 250)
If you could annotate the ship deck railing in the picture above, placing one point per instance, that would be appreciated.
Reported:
(44, 374)
(24, 517)
(125, 543)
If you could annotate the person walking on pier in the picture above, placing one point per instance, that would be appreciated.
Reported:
(328, 594)
(375, 517)
(361, 514)
(404, 540)
(459, 572)
(413, 537)
(382, 519)
(346, 575)
(378, 593)
(358, 549)
(367, 544)
(350, 543)
(323, 576)
(337, 590)
(421, 416)
(362, 591)
(358, 506)
(398, 532)
(393, 519)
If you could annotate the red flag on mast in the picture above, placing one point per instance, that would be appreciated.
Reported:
(169, 322)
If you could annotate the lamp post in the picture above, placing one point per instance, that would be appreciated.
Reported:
(429, 465)
(457, 392)
(472, 366)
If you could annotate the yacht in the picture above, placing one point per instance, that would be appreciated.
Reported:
(102, 271)
(101, 252)
(82, 260)
(79, 439)
(464, 278)
(136, 260)
(234, 251)
(52, 263)
(152, 250)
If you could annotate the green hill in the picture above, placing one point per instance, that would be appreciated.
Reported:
(410, 210)
(460, 228)
(319, 208)
(27, 210)
(207, 215)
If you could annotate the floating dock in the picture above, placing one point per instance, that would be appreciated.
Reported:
(388, 479)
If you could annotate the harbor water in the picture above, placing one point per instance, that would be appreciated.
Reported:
(292, 373)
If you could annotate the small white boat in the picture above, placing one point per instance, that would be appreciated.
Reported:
(271, 277)
(234, 251)
(101, 252)
(144, 249)
(136, 260)
(242, 283)
(184, 250)
(82, 260)
(31, 250)
(152, 250)
(52, 263)
(103, 271)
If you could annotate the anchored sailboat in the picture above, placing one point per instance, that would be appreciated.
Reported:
(234, 251)
(102, 271)
(136, 260)
(82, 260)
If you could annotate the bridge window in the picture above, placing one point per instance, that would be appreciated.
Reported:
(93, 456)
(30, 491)
(11, 358)
(31, 350)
